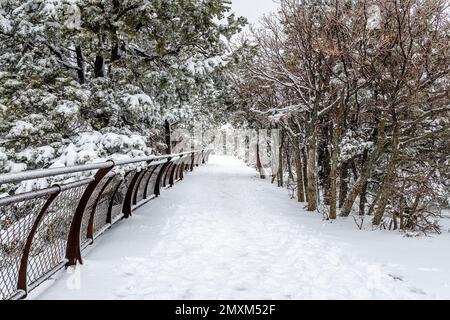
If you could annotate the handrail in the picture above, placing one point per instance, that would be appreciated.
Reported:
(40, 193)
(44, 230)
(153, 158)
(51, 172)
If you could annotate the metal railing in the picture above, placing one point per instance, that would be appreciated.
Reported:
(44, 230)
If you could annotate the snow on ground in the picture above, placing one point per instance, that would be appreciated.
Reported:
(223, 233)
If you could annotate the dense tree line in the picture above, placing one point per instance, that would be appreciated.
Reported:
(360, 91)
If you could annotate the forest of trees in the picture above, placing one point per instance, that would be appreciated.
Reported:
(360, 92)
(358, 88)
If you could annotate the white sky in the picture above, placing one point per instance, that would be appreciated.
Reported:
(253, 10)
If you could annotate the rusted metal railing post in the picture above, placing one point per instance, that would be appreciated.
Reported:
(160, 175)
(73, 249)
(127, 203)
(22, 279)
(139, 182)
(148, 182)
(173, 172)
(90, 228)
(180, 173)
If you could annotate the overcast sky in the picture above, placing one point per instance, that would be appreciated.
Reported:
(253, 10)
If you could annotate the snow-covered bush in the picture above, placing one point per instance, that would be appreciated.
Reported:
(352, 145)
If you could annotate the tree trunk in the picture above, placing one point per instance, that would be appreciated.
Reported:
(288, 163)
(363, 200)
(99, 67)
(363, 195)
(312, 173)
(247, 149)
(333, 173)
(343, 183)
(357, 189)
(402, 212)
(168, 136)
(324, 159)
(305, 169)
(379, 137)
(336, 132)
(115, 53)
(381, 200)
(388, 182)
(374, 202)
(81, 65)
(224, 143)
(258, 160)
(394, 219)
(280, 161)
(299, 171)
(362, 180)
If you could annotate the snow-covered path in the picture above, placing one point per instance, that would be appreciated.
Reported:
(223, 234)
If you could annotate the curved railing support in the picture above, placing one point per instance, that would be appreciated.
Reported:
(148, 181)
(161, 173)
(73, 251)
(172, 173)
(90, 228)
(22, 280)
(127, 203)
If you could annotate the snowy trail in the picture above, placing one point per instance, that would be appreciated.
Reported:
(223, 234)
